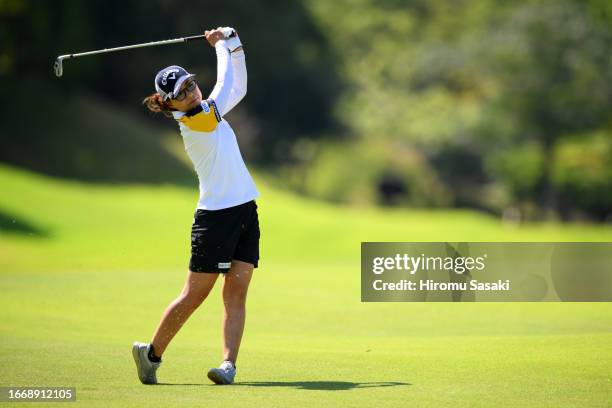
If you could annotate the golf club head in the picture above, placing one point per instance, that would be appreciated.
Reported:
(58, 67)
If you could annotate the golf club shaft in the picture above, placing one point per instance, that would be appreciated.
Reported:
(129, 47)
(58, 64)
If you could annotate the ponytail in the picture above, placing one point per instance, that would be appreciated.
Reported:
(155, 103)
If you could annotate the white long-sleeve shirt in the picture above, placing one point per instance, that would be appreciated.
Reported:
(211, 143)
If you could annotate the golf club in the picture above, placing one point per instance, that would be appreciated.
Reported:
(59, 62)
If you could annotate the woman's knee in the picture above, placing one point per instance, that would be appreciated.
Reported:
(234, 299)
(192, 299)
(195, 290)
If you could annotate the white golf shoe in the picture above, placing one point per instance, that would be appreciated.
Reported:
(145, 367)
(224, 374)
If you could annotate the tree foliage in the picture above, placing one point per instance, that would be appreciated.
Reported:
(475, 103)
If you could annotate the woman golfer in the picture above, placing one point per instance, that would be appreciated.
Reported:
(225, 232)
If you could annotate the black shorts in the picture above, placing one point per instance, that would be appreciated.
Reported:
(219, 236)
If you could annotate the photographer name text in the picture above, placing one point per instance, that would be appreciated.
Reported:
(421, 263)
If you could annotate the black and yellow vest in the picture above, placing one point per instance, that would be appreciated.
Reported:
(202, 118)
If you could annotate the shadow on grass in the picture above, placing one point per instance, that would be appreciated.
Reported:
(185, 384)
(12, 224)
(323, 385)
(314, 385)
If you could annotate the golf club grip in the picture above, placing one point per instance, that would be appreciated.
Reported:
(195, 37)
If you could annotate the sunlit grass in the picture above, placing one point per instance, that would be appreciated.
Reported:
(86, 269)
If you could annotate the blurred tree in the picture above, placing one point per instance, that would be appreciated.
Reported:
(481, 100)
(484, 89)
(582, 174)
(553, 62)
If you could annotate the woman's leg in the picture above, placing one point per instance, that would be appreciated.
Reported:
(196, 289)
(235, 287)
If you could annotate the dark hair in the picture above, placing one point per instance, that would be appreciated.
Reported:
(155, 103)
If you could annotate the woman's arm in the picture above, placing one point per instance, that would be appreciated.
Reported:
(239, 88)
(221, 92)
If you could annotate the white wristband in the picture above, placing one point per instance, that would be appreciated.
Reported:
(231, 38)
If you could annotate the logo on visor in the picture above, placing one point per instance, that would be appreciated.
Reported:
(167, 76)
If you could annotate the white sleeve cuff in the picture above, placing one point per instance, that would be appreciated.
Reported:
(231, 38)
(233, 43)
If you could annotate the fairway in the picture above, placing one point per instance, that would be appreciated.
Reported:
(86, 269)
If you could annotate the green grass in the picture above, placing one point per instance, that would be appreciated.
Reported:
(87, 269)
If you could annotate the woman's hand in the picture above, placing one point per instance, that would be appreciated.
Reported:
(212, 36)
